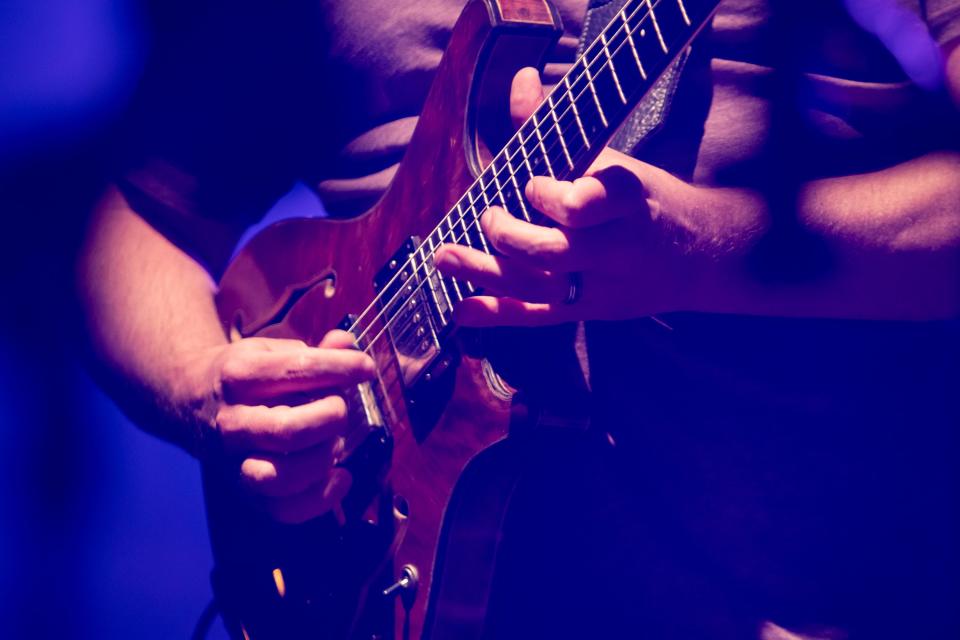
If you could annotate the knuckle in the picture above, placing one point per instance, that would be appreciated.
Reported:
(542, 249)
(284, 429)
(281, 420)
(233, 370)
(495, 233)
(224, 418)
(300, 365)
(487, 268)
(573, 204)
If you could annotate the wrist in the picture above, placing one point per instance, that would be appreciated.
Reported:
(194, 394)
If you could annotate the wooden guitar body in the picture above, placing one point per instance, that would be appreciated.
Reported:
(407, 519)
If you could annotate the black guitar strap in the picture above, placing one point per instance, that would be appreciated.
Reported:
(651, 112)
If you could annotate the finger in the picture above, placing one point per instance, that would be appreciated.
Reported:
(335, 339)
(259, 376)
(313, 502)
(549, 248)
(488, 311)
(281, 429)
(604, 247)
(276, 475)
(609, 193)
(501, 275)
(526, 94)
(257, 343)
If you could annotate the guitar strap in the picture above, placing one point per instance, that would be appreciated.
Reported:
(651, 112)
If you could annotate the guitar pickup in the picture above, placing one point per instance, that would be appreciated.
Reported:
(414, 306)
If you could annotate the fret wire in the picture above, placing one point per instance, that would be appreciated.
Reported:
(496, 182)
(568, 124)
(556, 124)
(443, 285)
(633, 47)
(456, 285)
(476, 214)
(465, 237)
(656, 27)
(483, 192)
(576, 112)
(613, 69)
(526, 157)
(683, 12)
(456, 290)
(428, 278)
(461, 217)
(470, 209)
(596, 99)
(516, 185)
(628, 31)
(536, 129)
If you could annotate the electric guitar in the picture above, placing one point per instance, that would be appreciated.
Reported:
(431, 443)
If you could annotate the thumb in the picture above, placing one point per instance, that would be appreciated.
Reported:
(526, 94)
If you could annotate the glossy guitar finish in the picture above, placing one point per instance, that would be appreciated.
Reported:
(301, 278)
(411, 554)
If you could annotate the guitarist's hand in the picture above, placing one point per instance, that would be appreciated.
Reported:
(276, 406)
(628, 228)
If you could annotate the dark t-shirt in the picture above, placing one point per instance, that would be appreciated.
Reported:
(795, 452)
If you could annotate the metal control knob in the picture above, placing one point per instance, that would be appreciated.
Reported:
(406, 583)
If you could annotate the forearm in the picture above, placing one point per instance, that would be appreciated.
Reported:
(149, 310)
(893, 238)
(881, 245)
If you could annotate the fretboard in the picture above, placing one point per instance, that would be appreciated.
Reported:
(567, 132)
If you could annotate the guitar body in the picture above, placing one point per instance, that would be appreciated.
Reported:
(432, 477)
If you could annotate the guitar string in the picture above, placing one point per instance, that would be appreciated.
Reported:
(472, 206)
(496, 174)
(426, 268)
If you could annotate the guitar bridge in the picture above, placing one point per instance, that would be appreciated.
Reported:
(362, 405)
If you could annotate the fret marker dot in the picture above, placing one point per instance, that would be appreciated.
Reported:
(643, 32)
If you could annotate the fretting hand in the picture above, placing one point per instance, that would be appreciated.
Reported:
(629, 231)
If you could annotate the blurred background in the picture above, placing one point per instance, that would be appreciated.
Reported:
(102, 531)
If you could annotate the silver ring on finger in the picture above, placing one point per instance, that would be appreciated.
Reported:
(575, 287)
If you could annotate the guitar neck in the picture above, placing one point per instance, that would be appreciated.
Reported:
(569, 129)
(567, 132)
(616, 70)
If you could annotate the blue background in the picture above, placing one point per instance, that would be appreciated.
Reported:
(102, 531)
